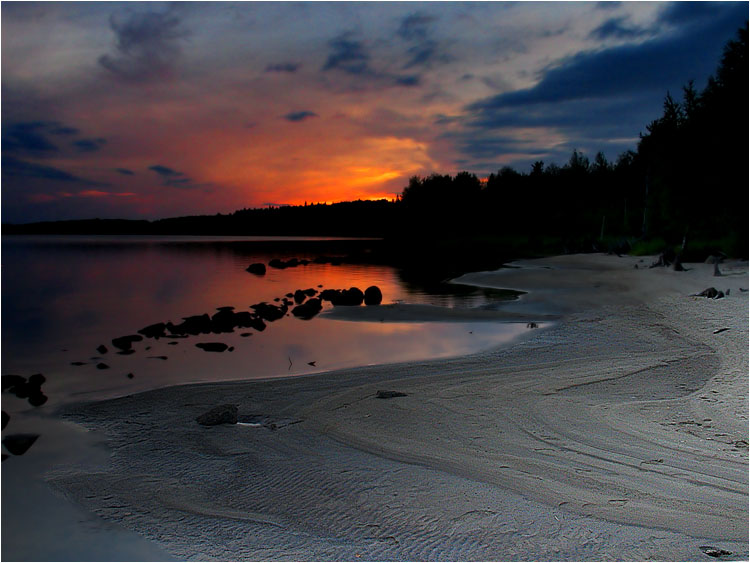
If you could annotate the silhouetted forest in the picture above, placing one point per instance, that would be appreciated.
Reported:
(685, 184)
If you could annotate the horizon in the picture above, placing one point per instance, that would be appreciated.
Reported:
(153, 110)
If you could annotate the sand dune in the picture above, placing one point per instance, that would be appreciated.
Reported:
(618, 433)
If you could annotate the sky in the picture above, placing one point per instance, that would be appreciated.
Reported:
(150, 109)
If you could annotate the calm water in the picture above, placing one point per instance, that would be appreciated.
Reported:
(62, 297)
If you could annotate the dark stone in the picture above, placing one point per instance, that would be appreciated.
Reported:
(173, 343)
(308, 310)
(102, 349)
(212, 346)
(4, 457)
(6, 419)
(712, 551)
(158, 357)
(310, 292)
(223, 321)
(373, 295)
(37, 380)
(18, 444)
(278, 264)
(299, 296)
(102, 365)
(258, 269)
(37, 399)
(352, 297)
(77, 363)
(268, 312)
(154, 331)
(223, 414)
(389, 394)
(195, 325)
(130, 376)
(532, 325)
(126, 342)
(711, 293)
(126, 352)
(9, 382)
(246, 334)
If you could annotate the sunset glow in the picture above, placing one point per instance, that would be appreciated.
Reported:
(150, 109)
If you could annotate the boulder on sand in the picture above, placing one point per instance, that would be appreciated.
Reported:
(373, 295)
(223, 414)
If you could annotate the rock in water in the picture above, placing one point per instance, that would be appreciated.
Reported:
(212, 346)
(102, 349)
(373, 295)
(6, 419)
(126, 342)
(308, 310)
(389, 394)
(18, 444)
(223, 414)
(154, 330)
(258, 269)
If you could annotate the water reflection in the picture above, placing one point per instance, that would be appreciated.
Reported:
(65, 297)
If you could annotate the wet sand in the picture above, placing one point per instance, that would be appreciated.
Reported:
(617, 432)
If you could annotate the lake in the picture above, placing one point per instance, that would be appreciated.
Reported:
(63, 297)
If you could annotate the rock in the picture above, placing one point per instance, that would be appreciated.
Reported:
(126, 352)
(126, 342)
(246, 334)
(102, 365)
(532, 325)
(308, 310)
(157, 357)
(310, 292)
(77, 363)
(130, 376)
(102, 349)
(711, 293)
(278, 264)
(154, 331)
(37, 380)
(330, 294)
(10, 382)
(712, 551)
(37, 399)
(223, 321)
(223, 414)
(195, 325)
(299, 296)
(258, 269)
(373, 295)
(389, 394)
(173, 343)
(268, 312)
(18, 444)
(6, 419)
(212, 346)
(352, 296)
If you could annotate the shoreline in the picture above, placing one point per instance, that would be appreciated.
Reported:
(589, 439)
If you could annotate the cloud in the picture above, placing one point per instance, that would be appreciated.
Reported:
(125, 171)
(415, 26)
(283, 67)
(28, 137)
(147, 45)
(90, 145)
(347, 55)
(616, 28)
(58, 129)
(656, 65)
(164, 171)
(300, 115)
(14, 167)
(173, 178)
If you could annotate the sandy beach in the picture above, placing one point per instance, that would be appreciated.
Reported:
(616, 431)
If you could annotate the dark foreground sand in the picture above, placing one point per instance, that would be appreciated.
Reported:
(617, 433)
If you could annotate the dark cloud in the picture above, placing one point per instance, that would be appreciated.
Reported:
(607, 5)
(14, 167)
(415, 26)
(300, 115)
(28, 137)
(147, 45)
(678, 13)
(173, 178)
(125, 171)
(657, 65)
(617, 28)
(63, 130)
(283, 67)
(412, 80)
(165, 171)
(347, 55)
(90, 145)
